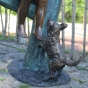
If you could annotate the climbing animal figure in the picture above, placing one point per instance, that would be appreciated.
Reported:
(51, 44)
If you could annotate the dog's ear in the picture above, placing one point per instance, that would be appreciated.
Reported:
(63, 26)
(50, 22)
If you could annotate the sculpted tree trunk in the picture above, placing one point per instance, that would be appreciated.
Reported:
(34, 58)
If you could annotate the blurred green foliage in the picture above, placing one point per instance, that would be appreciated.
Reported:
(3, 11)
(80, 5)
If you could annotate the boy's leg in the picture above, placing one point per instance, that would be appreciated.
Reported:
(40, 15)
(22, 13)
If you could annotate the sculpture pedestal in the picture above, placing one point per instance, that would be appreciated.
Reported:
(35, 78)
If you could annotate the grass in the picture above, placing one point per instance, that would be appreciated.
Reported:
(2, 79)
(12, 38)
(86, 52)
(80, 81)
(3, 69)
(24, 86)
(81, 52)
(80, 68)
(67, 51)
(21, 50)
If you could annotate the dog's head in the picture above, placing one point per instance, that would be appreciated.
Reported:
(53, 28)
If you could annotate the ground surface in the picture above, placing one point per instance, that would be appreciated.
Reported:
(10, 51)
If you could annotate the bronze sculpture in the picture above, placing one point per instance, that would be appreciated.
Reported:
(51, 44)
(56, 61)
(39, 16)
(34, 67)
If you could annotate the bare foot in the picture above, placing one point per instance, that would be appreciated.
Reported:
(38, 34)
(21, 32)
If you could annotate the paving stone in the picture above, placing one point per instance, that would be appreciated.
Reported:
(80, 75)
(12, 56)
(15, 55)
(13, 44)
(83, 64)
(7, 79)
(70, 69)
(3, 65)
(3, 85)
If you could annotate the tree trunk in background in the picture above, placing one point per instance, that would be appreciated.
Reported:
(9, 24)
(1, 18)
(5, 27)
(34, 58)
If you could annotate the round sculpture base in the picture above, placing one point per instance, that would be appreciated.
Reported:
(35, 78)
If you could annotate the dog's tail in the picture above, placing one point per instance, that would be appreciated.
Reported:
(73, 62)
